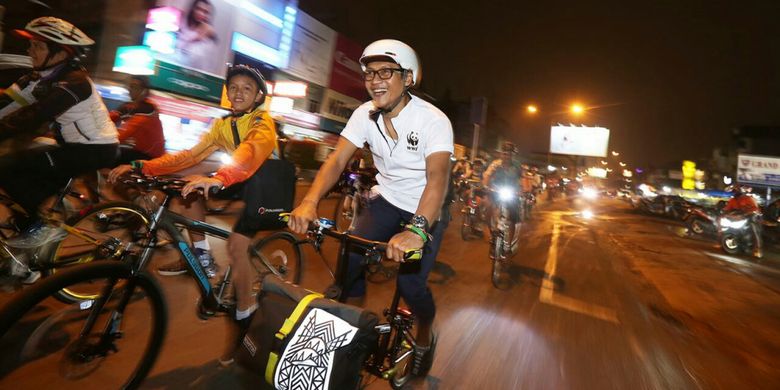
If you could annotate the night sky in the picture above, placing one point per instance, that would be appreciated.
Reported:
(669, 78)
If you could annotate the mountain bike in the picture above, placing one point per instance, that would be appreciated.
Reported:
(506, 202)
(113, 339)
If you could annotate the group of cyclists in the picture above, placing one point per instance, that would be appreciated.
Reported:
(411, 142)
(478, 179)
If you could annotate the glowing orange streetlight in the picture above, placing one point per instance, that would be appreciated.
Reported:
(531, 109)
(577, 109)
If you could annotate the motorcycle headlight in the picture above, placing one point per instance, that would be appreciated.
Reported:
(505, 193)
(590, 193)
(738, 224)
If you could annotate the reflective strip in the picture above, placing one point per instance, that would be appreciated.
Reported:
(289, 323)
(15, 93)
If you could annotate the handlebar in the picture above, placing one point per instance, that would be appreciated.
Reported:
(324, 226)
(171, 185)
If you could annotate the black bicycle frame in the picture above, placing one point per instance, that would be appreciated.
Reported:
(167, 221)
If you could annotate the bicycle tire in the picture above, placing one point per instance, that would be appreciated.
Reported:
(342, 221)
(283, 252)
(466, 227)
(131, 220)
(28, 300)
(403, 368)
(496, 266)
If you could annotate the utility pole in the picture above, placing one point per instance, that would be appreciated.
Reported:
(478, 119)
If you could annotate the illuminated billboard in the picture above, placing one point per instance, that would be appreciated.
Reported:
(579, 140)
(200, 34)
(761, 170)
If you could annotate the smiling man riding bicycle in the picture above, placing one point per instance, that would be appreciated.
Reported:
(411, 142)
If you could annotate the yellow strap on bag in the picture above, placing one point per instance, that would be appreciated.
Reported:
(289, 323)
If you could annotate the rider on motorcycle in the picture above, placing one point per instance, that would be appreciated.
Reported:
(743, 202)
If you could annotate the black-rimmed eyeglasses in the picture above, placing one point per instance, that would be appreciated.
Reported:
(384, 73)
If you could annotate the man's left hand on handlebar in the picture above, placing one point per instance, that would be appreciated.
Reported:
(201, 183)
(119, 171)
(402, 242)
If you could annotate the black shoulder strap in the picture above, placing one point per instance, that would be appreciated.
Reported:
(236, 136)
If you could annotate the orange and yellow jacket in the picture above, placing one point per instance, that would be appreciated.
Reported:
(258, 141)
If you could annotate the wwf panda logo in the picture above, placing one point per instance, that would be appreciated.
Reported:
(411, 141)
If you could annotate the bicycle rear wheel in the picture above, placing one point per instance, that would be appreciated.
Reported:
(100, 231)
(278, 253)
(46, 342)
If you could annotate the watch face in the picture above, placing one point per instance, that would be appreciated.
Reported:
(420, 221)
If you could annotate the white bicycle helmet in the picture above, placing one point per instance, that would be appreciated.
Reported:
(56, 30)
(393, 51)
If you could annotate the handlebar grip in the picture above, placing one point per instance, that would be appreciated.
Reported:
(413, 254)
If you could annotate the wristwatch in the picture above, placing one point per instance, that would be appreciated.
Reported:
(421, 222)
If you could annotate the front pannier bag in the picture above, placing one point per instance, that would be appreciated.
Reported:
(300, 340)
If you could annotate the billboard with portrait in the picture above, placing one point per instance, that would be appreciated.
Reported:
(579, 140)
(200, 34)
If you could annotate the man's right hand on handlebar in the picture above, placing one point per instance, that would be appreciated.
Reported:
(302, 216)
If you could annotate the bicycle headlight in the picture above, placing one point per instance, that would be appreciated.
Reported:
(226, 159)
(505, 193)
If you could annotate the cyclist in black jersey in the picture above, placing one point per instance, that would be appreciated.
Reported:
(57, 95)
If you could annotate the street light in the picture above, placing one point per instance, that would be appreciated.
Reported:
(614, 153)
(603, 162)
(577, 109)
(622, 164)
(532, 109)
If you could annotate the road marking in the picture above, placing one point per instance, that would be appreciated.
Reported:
(738, 261)
(547, 292)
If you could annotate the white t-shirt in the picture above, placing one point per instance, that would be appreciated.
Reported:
(422, 130)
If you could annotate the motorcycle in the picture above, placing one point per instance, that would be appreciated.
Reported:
(702, 221)
(736, 232)
(502, 246)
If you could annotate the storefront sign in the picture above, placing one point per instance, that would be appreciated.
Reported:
(134, 60)
(337, 106)
(332, 126)
(312, 50)
(347, 76)
(174, 78)
(761, 170)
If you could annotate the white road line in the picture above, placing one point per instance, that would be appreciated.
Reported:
(738, 261)
(547, 291)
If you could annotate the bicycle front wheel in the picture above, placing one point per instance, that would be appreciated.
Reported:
(98, 234)
(111, 342)
(278, 253)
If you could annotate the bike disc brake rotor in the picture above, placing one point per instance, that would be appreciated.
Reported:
(82, 357)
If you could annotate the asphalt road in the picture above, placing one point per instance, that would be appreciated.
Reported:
(618, 301)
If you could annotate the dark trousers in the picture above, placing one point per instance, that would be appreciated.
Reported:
(31, 176)
(380, 221)
(128, 154)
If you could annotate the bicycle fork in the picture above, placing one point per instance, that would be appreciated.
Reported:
(391, 343)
